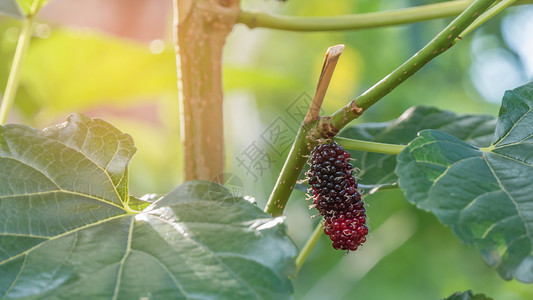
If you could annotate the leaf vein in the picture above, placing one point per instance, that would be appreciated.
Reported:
(509, 195)
(16, 278)
(467, 206)
(174, 279)
(98, 166)
(239, 278)
(35, 168)
(512, 158)
(65, 192)
(59, 236)
(508, 245)
(24, 235)
(123, 260)
(491, 227)
(514, 125)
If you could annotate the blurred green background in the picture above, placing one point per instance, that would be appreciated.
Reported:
(114, 60)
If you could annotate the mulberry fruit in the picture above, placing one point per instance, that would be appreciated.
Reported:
(336, 196)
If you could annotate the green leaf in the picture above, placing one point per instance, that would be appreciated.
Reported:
(468, 295)
(101, 143)
(68, 229)
(11, 8)
(377, 170)
(484, 195)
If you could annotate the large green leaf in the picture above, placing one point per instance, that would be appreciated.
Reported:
(485, 195)
(68, 230)
(378, 169)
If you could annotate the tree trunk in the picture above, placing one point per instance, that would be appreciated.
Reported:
(201, 28)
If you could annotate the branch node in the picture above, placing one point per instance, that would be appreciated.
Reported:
(356, 110)
(326, 129)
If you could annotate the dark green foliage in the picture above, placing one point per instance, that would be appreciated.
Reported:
(483, 194)
(378, 169)
(69, 229)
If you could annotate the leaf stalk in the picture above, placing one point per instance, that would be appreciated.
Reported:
(491, 12)
(367, 146)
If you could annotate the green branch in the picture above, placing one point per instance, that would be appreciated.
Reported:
(303, 142)
(442, 42)
(254, 19)
(16, 67)
(292, 168)
(369, 146)
(309, 245)
(309, 134)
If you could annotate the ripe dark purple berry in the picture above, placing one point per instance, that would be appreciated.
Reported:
(336, 196)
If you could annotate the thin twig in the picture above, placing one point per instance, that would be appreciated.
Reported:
(13, 80)
(491, 12)
(309, 245)
(259, 19)
(330, 61)
(441, 43)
